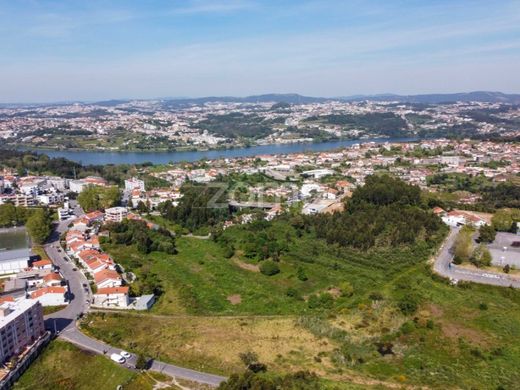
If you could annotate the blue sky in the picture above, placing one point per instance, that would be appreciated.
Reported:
(89, 50)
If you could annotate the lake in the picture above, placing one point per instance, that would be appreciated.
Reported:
(87, 157)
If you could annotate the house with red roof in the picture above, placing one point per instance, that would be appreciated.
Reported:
(94, 216)
(107, 278)
(51, 296)
(111, 297)
(42, 264)
(52, 280)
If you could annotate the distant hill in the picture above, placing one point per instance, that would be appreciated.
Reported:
(477, 96)
(294, 98)
(291, 98)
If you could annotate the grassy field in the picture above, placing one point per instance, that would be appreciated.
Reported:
(464, 336)
(200, 280)
(398, 325)
(63, 366)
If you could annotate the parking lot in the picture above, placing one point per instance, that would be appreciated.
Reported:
(502, 250)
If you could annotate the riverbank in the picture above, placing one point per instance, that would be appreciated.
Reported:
(88, 157)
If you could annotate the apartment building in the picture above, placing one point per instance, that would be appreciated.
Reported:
(21, 324)
(116, 214)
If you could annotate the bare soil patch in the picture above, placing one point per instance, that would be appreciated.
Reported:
(247, 266)
(235, 299)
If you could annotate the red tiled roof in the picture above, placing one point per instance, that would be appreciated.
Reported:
(112, 290)
(7, 298)
(41, 263)
(47, 290)
(52, 276)
(106, 274)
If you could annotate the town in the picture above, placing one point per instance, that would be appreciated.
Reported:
(262, 187)
(211, 124)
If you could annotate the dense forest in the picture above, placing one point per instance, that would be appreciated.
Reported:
(379, 123)
(235, 125)
(384, 212)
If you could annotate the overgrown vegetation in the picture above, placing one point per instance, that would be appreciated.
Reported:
(200, 206)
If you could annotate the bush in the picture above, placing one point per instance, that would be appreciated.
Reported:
(269, 268)
(301, 274)
(347, 290)
(293, 293)
(408, 304)
(407, 327)
(376, 296)
(141, 362)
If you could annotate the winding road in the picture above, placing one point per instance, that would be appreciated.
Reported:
(63, 322)
(443, 266)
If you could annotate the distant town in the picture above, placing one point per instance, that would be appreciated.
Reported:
(224, 123)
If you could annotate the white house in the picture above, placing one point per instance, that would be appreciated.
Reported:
(111, 297)
(134, 184)
(50, 296)
(42, 264)
(107, 278)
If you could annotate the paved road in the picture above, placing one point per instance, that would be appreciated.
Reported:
(64, 321)
(443, 266)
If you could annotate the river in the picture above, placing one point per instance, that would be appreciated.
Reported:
(87, 157)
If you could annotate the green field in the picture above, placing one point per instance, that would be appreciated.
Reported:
(200, 280)
(63, 366)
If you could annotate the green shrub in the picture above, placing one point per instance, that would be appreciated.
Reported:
(269, 268)
(408, 304)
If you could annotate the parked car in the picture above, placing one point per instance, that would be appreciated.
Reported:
(117, 358)
(125, 354)
(74, 269)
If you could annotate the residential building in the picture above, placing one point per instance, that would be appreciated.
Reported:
(21, 324)
(111, 297)
(134, 184)
(116, 214)
(51, 296)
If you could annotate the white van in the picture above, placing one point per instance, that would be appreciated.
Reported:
(117, 358)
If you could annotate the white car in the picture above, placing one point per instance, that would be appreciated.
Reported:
(117, 358)
(125, 354)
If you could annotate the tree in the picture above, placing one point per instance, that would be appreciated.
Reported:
(481, 256)
(347, 290)
(487, 233)
(7, 215)
(269, 268)
(96, 197)
(109, 196)
(88, 199)
(141, 207)
(504, 218)
(462, 247)
(39, 226)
